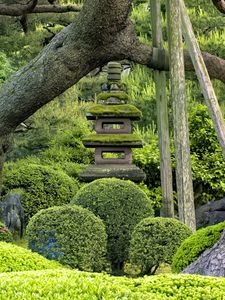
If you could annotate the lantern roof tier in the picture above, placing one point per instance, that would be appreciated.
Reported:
(113, 111)
(130, 172)
(114, 140)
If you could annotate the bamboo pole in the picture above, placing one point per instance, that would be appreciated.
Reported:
(203, 76)
(167, 209)
(181, 133)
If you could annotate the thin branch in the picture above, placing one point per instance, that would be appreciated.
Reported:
(56, 9)
(220, 5)
(31, 8)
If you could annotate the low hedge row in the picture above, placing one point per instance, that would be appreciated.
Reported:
(14, 258)
(71, 284)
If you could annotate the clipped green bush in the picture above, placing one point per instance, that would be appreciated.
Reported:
(72, 284)
(70, 234)
(154, 241)
(195, 245)
(43, 186)
(121, 205)
(5, 234)
(14, 258)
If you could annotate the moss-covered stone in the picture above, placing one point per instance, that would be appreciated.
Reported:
(125, 140)
(118, 111)
(105, 96)
(124, 171)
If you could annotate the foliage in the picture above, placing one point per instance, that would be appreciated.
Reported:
(43, 186)
(122, 110)
(121, 205)
(71, 284)
(5, 67)
(54, 132)
(5, 234)
(154, 241)
(195, 245)
(141, 92)
(207, 158)
(14, 258)
(147, 158)
(70, 234)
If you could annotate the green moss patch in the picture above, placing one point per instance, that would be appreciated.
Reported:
(105, 96)
(122, 111)
(131, 140)
(14, 258)
(67, 284)
(195, 245)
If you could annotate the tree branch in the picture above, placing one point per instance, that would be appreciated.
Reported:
(19, 9)
(220, 5)
(100, 33)
(56, 9)
(143, 54)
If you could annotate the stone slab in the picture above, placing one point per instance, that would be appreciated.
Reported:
(130, 172)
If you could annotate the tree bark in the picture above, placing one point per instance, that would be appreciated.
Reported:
(220, 5)
(203, 77)
(211, 262)
(100, 33)
(19, 10)
(167, 209)
(185, 193)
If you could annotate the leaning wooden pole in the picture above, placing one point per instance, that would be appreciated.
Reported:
(203, 76)
(167, 209)
(185, 195)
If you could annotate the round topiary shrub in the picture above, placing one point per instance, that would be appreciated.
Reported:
(195, 245)
(43, 186)
(154, 241)
(121, 205)
(5, 234)
(70, 234)
(14, 258)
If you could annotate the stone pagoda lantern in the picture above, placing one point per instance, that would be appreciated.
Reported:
(113, 139)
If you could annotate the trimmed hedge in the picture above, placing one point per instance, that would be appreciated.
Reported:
(70, 234)
(195, 245)
(121, 205)
(71, 284)
(14, 258)
(5, 234)
(154, 241)
(43, 186)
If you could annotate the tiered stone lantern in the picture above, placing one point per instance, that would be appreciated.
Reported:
(113, 139)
